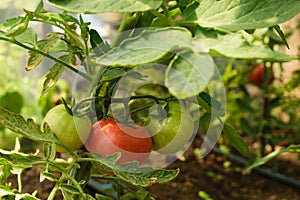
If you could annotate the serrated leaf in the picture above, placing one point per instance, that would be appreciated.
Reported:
(36, 58)
(10, 24)
(69, 188)
(149, 46)
(59, 17)
(18, 160)
(132, 173)
(29, 37)
(11, 195)
(101, 6)
(233, 45)
(148, 178)
(236, 140)
(189, 73)
(27, 128)
(233, 15)
(55, 73)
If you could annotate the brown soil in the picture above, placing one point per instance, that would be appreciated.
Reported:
(208, 175)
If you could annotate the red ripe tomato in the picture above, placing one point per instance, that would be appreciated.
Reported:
(257, 76)
(108, 137)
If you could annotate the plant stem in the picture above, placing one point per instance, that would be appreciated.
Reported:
(84, 75)
(162, 17)
(128, 22)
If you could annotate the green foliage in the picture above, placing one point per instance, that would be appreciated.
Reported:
(184, 35)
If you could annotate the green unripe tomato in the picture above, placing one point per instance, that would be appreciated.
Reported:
(70, 130)
(173, 132)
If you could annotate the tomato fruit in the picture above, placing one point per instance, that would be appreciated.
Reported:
(70, 130)
(173, 132)
(108, 137)
(257, 75)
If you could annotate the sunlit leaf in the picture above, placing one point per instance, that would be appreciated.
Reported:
(233, 45)
(235, 15)
(189, 73)
(149, 46)
(101, 6)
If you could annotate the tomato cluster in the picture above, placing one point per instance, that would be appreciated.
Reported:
(107, 136)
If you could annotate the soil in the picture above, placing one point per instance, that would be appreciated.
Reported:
(207, 175)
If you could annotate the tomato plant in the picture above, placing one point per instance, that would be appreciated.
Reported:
(70, 130)
(108, 137)
(173, 44)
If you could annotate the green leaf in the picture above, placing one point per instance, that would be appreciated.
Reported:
(189, 73)
(18, 160)
(59, 17)
(103, 197)
(149, 46)
(39, 8)
(59, 46)
(132, 173)
(27, 128)
(4, 173)
(12, 101)
(112, 73)
(233, 45)
(55, 73)
(69, 188)
(10, 195)
(101, 6)
(44, 45)
(148, 178)
(189, 14)
(140, 195)
(281, 34)
(236, 140)
(11, 23)
(29, 37)
(233, 15)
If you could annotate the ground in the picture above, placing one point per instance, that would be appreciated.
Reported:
(208, 175)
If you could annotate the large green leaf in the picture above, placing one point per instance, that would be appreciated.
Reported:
(131, 172)
(235, 15)
(149, 46)
(233, 45)
(189, 73)
(101, 6)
